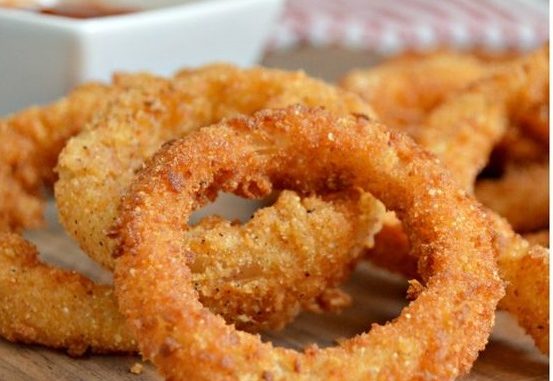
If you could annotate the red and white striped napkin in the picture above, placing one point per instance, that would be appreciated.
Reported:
(390, 26)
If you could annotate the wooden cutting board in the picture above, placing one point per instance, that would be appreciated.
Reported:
(378, 296)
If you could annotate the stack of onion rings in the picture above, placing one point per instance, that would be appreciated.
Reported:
(437, 336)
(97, 165)
(461, 132)
(305, 256)
(294, 253)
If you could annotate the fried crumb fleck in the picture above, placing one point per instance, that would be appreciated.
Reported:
(136, 368)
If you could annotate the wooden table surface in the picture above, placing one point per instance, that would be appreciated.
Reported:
(378, 296)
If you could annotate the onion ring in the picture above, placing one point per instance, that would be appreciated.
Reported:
(521, 196)
(91, 319)
(291, 254)
(31, 141)
(463, 145)
(96, 166)
(44, 305)
(303, 283)
(459, 117)
(463, 130)
(525, 268)
(532, 108)
(404, 90)
(438, 335)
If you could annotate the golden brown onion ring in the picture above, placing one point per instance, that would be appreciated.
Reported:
(463, 144)
(291, 254)
(460, 110)
(403, 91)
(30, 142)
(436, 336)
(525, 269)
(41, 304)
(96, 166)
(521, 196)
(58, 308)
(35, 297)
(296, 225)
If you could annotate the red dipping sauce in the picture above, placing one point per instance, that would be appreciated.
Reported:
(85, 10)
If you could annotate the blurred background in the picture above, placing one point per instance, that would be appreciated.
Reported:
(50, 46)
(332, 36)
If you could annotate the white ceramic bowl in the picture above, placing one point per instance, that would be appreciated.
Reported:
(42, 56)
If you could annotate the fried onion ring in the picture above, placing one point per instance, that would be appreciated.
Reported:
(525, 268)
(31, 140)
(96, 166)
(463, 131)
(437, 336)
(41, 304)
(532, 108)
(290, 254)
(459, 117)
(404, 90)
(30, 144)
(521, 196)
(44, 305)
(453, 135)
(257, 303)
(35, 297)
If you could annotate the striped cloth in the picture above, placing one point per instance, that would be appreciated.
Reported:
(390, 26)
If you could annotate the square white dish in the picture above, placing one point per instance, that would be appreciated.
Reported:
(43, 56)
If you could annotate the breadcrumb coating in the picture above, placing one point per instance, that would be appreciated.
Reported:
(437, 336)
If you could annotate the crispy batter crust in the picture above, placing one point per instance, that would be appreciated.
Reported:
(403, 91)
(309, 245)
(463, 146)
(242, 294)
(531, 110)
(392, 250)
(30, 142)
(304, 242)
(521, 196)
(35, 297)
(540, 238)
(40, 304)
(525, 269)
(456, 106)
(463, 130)
(291, 255)
(436, 336)
(96, 166)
